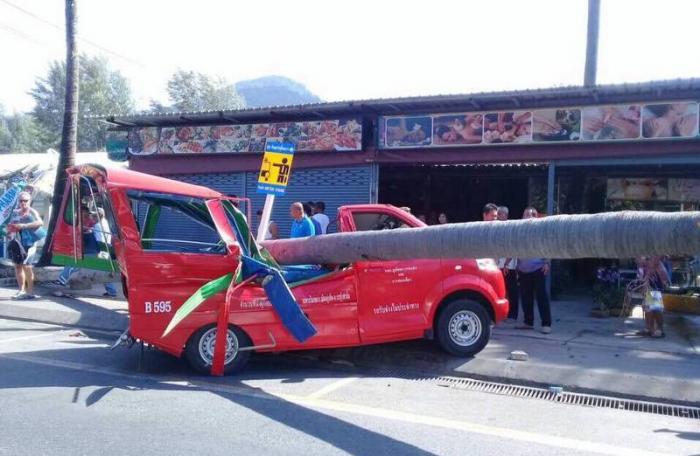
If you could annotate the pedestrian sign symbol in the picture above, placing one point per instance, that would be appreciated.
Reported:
(276, 168)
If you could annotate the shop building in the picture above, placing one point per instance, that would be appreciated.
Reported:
(563, 150)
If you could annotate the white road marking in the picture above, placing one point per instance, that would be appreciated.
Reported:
(357, 409)
(331, 387)
(476, 428)
(31, 336)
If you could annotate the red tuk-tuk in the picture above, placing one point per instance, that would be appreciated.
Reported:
(183, 283)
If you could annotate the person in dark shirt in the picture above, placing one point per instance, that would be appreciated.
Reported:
(490, 212)
(532, 273)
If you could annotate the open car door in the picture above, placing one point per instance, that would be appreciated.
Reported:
(73, 242)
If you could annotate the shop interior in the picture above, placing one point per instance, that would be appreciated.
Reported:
(461, 191)
(593, 189)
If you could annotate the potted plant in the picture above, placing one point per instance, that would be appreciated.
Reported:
(607, 295)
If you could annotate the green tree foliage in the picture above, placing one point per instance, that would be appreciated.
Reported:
(5, 137)
(192, 91)
(20, 133)
(102, 91)
(157, 106)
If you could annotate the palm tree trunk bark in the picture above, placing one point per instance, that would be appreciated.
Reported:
(69, 134)
(626, 234)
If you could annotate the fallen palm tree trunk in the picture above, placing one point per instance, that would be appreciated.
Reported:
(624, 234)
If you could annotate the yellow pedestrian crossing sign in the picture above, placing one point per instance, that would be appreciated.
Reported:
(276, 168)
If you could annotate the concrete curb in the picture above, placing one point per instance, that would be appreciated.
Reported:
(416, 364)
(90, 320)
(510, 378)
(65, 311)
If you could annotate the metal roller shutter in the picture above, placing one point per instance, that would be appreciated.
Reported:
(176, 226)
(333, 186)
(228, 183)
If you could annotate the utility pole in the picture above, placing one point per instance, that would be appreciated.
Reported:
(69, 134)
(590, 72)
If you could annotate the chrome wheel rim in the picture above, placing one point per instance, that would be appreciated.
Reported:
(208, 341)
(464, 328)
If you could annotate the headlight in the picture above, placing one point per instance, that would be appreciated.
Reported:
(487, 264)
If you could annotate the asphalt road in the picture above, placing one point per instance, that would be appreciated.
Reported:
(62, 392)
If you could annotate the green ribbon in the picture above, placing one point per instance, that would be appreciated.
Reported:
(87, 262)
(208, 290)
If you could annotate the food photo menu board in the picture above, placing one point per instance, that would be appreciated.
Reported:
(322, 135)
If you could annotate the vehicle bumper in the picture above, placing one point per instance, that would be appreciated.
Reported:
(500, 309)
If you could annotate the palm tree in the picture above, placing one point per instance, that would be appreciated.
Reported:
(69, 133)
(624, 234)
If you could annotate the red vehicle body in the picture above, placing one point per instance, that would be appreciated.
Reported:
(366, 302)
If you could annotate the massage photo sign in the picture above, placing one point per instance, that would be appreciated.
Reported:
(590, 123)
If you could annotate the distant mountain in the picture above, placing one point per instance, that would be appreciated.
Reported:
(274, 91)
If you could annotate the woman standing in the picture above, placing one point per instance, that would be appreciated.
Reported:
(657, 276)
(25, 223)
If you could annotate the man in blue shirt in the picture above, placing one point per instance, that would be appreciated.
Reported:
(301, 224)
(309, 211)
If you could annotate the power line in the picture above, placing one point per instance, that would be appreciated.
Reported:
(62, 29)
(23, 35)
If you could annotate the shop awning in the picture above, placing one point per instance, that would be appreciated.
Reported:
(667, 90)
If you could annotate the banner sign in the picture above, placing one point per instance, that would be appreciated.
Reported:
(276, 168)
(637, 189)
(684, 190)
(572, 124)
(321, 135)
(117, 144)
(8, 200)
(654, 189)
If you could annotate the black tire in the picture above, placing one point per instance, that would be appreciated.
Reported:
(199, 359)
(463, 327)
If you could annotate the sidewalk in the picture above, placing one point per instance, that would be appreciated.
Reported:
(88, 309)
(582, 353)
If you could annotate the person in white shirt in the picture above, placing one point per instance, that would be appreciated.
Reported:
(272, 230)
(320, 217)
(101, 229)
(103, 236)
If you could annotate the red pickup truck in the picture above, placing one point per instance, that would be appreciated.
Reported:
(367, 302)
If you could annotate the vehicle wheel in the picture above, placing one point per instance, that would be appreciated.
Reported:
(199, 351)
(463, 328)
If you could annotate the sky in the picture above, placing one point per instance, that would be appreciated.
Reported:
(356, 49)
